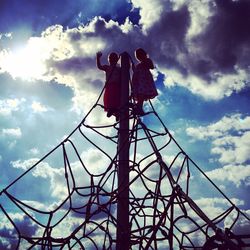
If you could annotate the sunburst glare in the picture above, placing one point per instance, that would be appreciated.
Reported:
(26, 62)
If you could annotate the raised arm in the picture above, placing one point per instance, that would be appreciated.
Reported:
(149, 64)
(98, 61)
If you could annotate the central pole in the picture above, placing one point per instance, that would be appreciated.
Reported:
(123, 228)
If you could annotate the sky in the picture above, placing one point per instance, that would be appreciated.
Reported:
(49, 81)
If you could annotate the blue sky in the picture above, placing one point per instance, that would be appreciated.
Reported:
(49, 81)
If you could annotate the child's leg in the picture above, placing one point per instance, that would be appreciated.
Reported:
(139, 106)
(140, 102)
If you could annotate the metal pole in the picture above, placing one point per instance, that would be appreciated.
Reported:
(123, 228)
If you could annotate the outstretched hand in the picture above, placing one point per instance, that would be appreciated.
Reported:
(99, 54)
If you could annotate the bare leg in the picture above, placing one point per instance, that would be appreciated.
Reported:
(139, 108)
(140, 102)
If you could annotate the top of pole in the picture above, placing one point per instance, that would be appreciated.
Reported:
(124, 95)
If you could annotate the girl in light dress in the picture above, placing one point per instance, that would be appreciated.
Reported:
(143, 86)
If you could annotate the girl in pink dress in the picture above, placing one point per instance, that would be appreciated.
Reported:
(143, 86)
(112, 92)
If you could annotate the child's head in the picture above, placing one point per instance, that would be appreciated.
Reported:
(140, 54)
(113, 58)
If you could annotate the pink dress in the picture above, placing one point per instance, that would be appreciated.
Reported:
(143, 85)
(111, 98)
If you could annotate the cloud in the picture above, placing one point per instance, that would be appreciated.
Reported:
(230, 123)
(237, 174)
(28, 228)
(34, 151)
(242, 225)
(7, 106)
(216, 206)
(5, 35)
(232, 148)
(11, 132)
(150, 12)
(191, 49)
(180, 50)
(8, 234)
(38, 107)
(222, 86)
(230, 141)
(229, 136)
(24, 164)
(57, 54)
(67, 55)
(55, 176)
(216, 201)
(94, 161)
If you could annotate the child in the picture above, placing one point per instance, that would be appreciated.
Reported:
(111, 98)
(143, 86)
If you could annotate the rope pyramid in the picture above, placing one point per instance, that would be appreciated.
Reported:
(164, 196)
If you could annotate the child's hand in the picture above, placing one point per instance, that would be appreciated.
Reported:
(99, 54)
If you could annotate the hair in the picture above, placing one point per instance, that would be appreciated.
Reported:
(113, 58)
(140, 54)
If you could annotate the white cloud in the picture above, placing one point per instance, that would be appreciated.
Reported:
(233, 148)
(55, 175)
(7, 106)
(234, 122)
(242, 225)
(221, 86)
(12, 132)
(150, 11)
(35, 204)
(34, 151)
(237, 174)
(94, 160)
(211, 207)
(230, 138)
(200, 12)
(24, 164)
(38, 107)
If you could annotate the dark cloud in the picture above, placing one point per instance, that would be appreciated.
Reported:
(226, 41)
(25, 225)
(10, 240)
(168, 38)
(221, 47)
(73, 64)
(116, 39)
(37, 15)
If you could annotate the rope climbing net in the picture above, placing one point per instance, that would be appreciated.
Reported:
(166, 208)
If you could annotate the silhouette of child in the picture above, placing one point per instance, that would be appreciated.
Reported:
(111, 98)
(143, 86)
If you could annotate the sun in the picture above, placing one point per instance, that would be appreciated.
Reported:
(27, 62)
